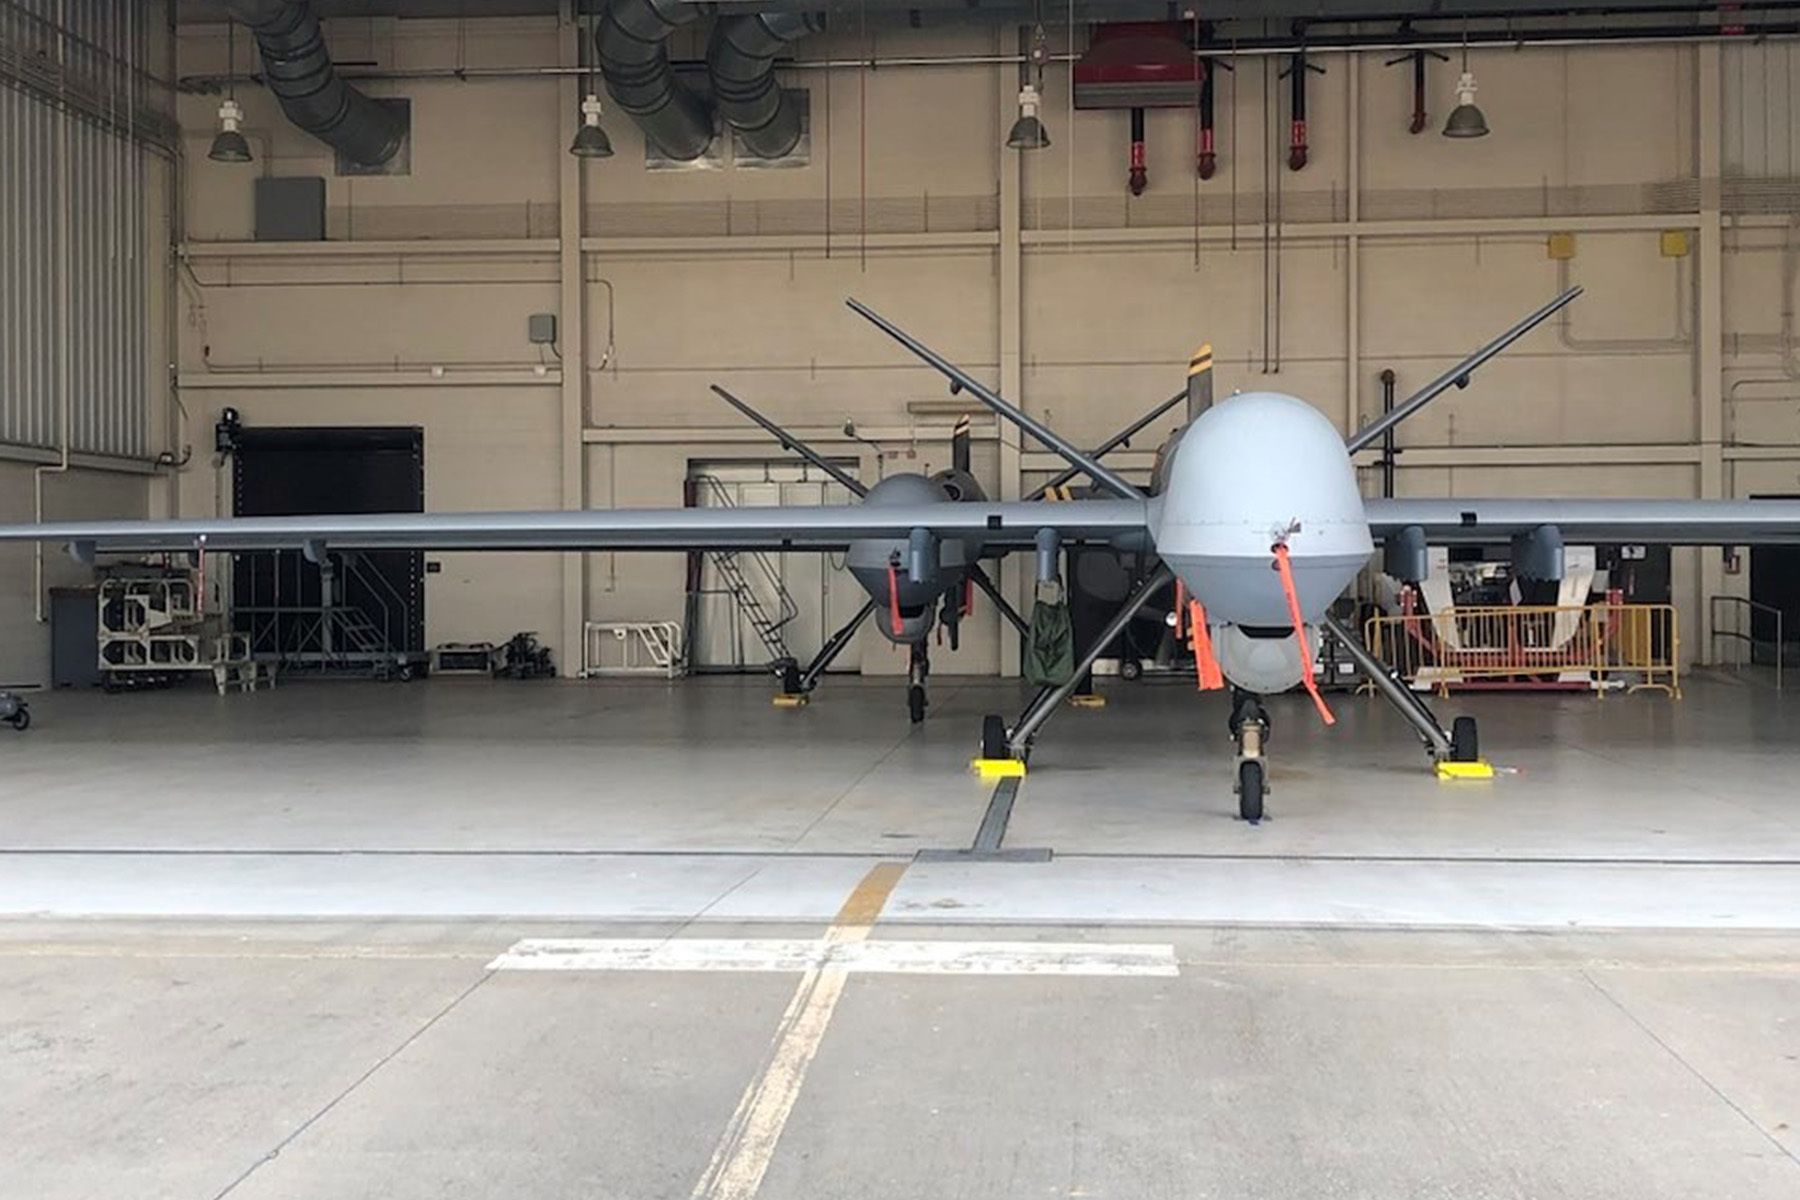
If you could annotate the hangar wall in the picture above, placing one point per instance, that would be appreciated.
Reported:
(1674, 376)
(87, 147)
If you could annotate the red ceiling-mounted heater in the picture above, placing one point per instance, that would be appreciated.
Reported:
(1138, 65)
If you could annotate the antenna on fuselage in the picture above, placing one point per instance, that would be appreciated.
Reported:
(790, 442)
(1457, 376)
(961, 380)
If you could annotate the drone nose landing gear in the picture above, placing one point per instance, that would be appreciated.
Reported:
(1250, 731)
(918, 670)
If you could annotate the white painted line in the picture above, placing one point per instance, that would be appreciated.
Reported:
(832, 954)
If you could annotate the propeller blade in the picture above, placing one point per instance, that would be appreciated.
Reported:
(1200, 381)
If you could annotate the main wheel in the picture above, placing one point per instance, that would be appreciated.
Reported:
(993, 736)
(1130, 669)
(1465, 744)
(21, 720)
(1250, 790)
(915, 703)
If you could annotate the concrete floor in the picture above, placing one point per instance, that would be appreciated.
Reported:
(246, 949)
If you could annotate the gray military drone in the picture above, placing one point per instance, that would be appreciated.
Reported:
(1257, 513)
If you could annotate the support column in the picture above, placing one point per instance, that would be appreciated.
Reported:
(572, 334)
(1013, 576)
(1353, 246)
(1709, 326)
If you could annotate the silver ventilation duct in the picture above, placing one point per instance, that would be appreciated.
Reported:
(634, 61)
(298, 70)
(741, 61)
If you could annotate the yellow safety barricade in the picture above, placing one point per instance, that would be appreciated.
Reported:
(1597, 646)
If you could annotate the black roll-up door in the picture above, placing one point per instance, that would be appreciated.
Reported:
(300, 471)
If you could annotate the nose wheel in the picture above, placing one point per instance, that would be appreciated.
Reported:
(1251, 789)
(918, 670)
(1250, 732)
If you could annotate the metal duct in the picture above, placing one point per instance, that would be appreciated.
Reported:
(298, 70)
(741, 60)
(634, 61)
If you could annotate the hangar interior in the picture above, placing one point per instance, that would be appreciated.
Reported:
(294, 934)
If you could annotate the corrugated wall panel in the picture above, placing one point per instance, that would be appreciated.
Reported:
(1762, 89)
(73, 297)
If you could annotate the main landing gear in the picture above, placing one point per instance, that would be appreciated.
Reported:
(797, 684)
(1459, 744)
(999, 742)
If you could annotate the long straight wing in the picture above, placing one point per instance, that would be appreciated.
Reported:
(1670, 522)
(823, 527)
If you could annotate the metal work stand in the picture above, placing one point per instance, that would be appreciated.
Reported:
(1018, 741)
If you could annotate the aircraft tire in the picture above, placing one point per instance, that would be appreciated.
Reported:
(1465, 742)
(1250, 790)
(993, 736)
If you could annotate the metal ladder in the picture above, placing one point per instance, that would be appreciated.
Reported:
(768, 626)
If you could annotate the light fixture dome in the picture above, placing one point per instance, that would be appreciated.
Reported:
(1465, 120)
(591, 140)
(1028, 132)
(228, 145)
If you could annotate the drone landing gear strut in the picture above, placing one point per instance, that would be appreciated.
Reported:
(796, 684)
(1450, 748)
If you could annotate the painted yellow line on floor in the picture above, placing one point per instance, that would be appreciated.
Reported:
(743, 1154)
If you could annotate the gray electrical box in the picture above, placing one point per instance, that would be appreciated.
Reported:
(290, 209)
(541, 329)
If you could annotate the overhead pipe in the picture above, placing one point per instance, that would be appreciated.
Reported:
(740, 58)
(1298, 68)
(1316, 44)
(298, 69)
(1206, 156)
(1420, 118)
(634, 62)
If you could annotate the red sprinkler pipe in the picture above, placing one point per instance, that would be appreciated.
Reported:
(1297, 127)
(1140, 176)
(1206, 160)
